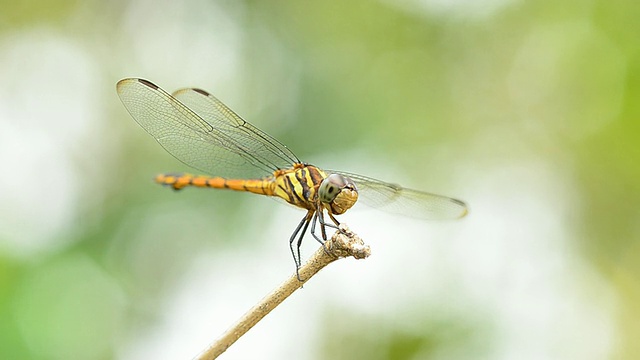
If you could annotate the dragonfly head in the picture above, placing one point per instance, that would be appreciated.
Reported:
(338, 193)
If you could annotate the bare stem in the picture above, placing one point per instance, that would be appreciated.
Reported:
(343, 243)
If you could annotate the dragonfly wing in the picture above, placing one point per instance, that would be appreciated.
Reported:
(203, 133)
(239, 133)
(407, 202)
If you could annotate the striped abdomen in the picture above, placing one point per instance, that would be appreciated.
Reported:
(297, 186)
(179, 181)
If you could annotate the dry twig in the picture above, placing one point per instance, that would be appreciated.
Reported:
(343, 243)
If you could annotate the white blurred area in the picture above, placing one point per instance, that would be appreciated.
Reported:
(50, 91)
(511, 265)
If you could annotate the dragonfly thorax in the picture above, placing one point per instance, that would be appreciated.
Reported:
(338, 193)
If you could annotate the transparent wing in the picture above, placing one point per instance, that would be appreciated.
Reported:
(407, 202)
(202, 132)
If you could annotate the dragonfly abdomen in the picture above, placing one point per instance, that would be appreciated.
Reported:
(179, 181)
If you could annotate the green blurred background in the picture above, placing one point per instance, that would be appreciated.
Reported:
(528, 111)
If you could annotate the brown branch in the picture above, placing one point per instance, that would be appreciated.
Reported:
(343, 243)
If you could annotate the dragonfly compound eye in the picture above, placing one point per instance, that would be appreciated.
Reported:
(339, 192)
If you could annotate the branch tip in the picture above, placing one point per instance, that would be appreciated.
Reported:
(345, 243)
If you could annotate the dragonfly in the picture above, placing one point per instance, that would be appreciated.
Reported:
(202, 132)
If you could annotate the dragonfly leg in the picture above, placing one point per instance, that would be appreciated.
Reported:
(319, 217)
(323, 224)
(313, 229)
(300, 229)
(335, 221)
